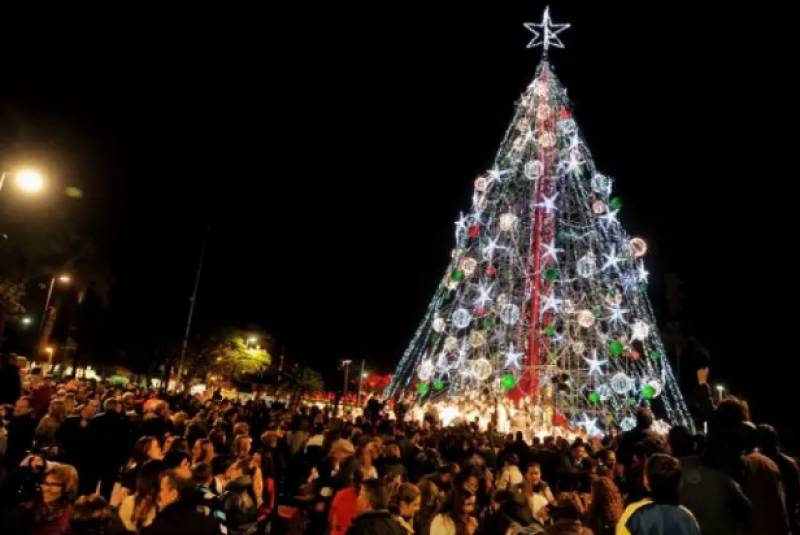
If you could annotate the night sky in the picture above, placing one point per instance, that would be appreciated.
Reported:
(330, 151)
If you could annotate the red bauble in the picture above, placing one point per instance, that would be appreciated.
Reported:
(474, 231)
(565, 114)
(635, 355)
(491, 271)
(479, 311)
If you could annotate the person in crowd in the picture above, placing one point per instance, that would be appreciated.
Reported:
(139, 509)
(176, 511)
(241, 446)
(52, 509)
(715, 499)
(405, 504)
(537, 493)
(373, 516)
(510, 477)
(207, 501)
(91, 515)
(179, 462)
(642, 430)
(457, 515)
(568, 514)
(344, 506)
(508, 513)
(146, 448)
(77, 446)
(769, 445)
(202, 451)
(21, 429)
(239, 501)
(761, 483)
(10, 380)
(45, 434)
(606, 503)
(660, 513)
(110, 432)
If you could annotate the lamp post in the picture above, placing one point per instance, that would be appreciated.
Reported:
(720, 390)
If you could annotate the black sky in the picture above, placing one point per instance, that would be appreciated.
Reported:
(330, 150)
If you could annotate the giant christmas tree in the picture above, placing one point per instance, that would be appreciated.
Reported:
(545, 296)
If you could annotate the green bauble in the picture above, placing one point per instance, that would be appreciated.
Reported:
(423, 389)
(594, 397)
(457, 275)
(438, 385)
(597, 312)
(508, 381)
(488, 323)
(648, 392)
(655, 355)
(550, 330)
(631, 402)
(615, 203)
(616, 348)
(551, 274)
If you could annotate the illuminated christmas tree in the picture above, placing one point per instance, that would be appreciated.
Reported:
(545, 296)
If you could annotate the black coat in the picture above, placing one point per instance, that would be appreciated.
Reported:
(75, 443)
(10, 384)
(110, 434)
(375, 523)
(239, 504)
(20, 438)
(182, 519)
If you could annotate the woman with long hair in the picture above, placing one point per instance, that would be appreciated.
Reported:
(202, 451)
(366, 457)
(404, 505)
(538, 495)
(457, 515)
(147, 448)
(46, 430)
(139, 510)
(52, 507)
(92, 515)
(240, 448)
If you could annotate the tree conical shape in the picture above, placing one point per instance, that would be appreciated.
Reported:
(545, 295)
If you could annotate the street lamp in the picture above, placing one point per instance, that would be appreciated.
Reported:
(26, 321)
(49, 350)
(721, 390)
(64, 278)
(28, 181)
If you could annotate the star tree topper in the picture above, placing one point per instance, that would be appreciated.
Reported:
(549, 32)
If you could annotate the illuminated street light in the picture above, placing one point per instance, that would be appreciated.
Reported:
(66, 279)
(30, 181)
(26, 320)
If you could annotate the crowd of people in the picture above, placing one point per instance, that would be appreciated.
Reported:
(83, 457)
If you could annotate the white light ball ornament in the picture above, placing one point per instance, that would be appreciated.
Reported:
(534, 169)
(638, 247)
(425, 370)
(621, 383)
(524, 124)
(481, 368)
(640, 331)
(509, 314)
(586, 319)
(604, 392)
(468, 266)
(481, 183)
(567, 127)
(519, 144)
(439, 325)
(450, 343)
(601, 184)
(462, 318)
(586, 266)
(598, 207)
(627, 424)
(477, 339)
(508, 222)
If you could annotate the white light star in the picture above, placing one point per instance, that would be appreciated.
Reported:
(595, 364)
(574, 142)
(461, 224)
(497, 175)
(485, 294)
(549, 203)
(551, 302)
(590, 424)
(643, 274)
(490, 248)
(512, 358)
(612, 260)
(551, 251)
(549, 32)
(574, 163)
(617, 314)
(610, 217)
(640, 331)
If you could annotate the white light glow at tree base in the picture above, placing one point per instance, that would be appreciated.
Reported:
(545, 296)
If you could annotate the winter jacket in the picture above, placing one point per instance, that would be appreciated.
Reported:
(180, 518)
(239, 504)
(375, 523)
(343, 510)
(761, 482)
(647, 517)
(715, 499)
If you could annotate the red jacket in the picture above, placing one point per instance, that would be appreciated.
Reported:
(343, 510)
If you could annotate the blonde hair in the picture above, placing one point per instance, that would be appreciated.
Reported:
(67, 477)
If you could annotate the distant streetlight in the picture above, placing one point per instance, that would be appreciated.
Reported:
(66, 279)
(28, 181)
(27, 320)
(721, 390)
(49, 350)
